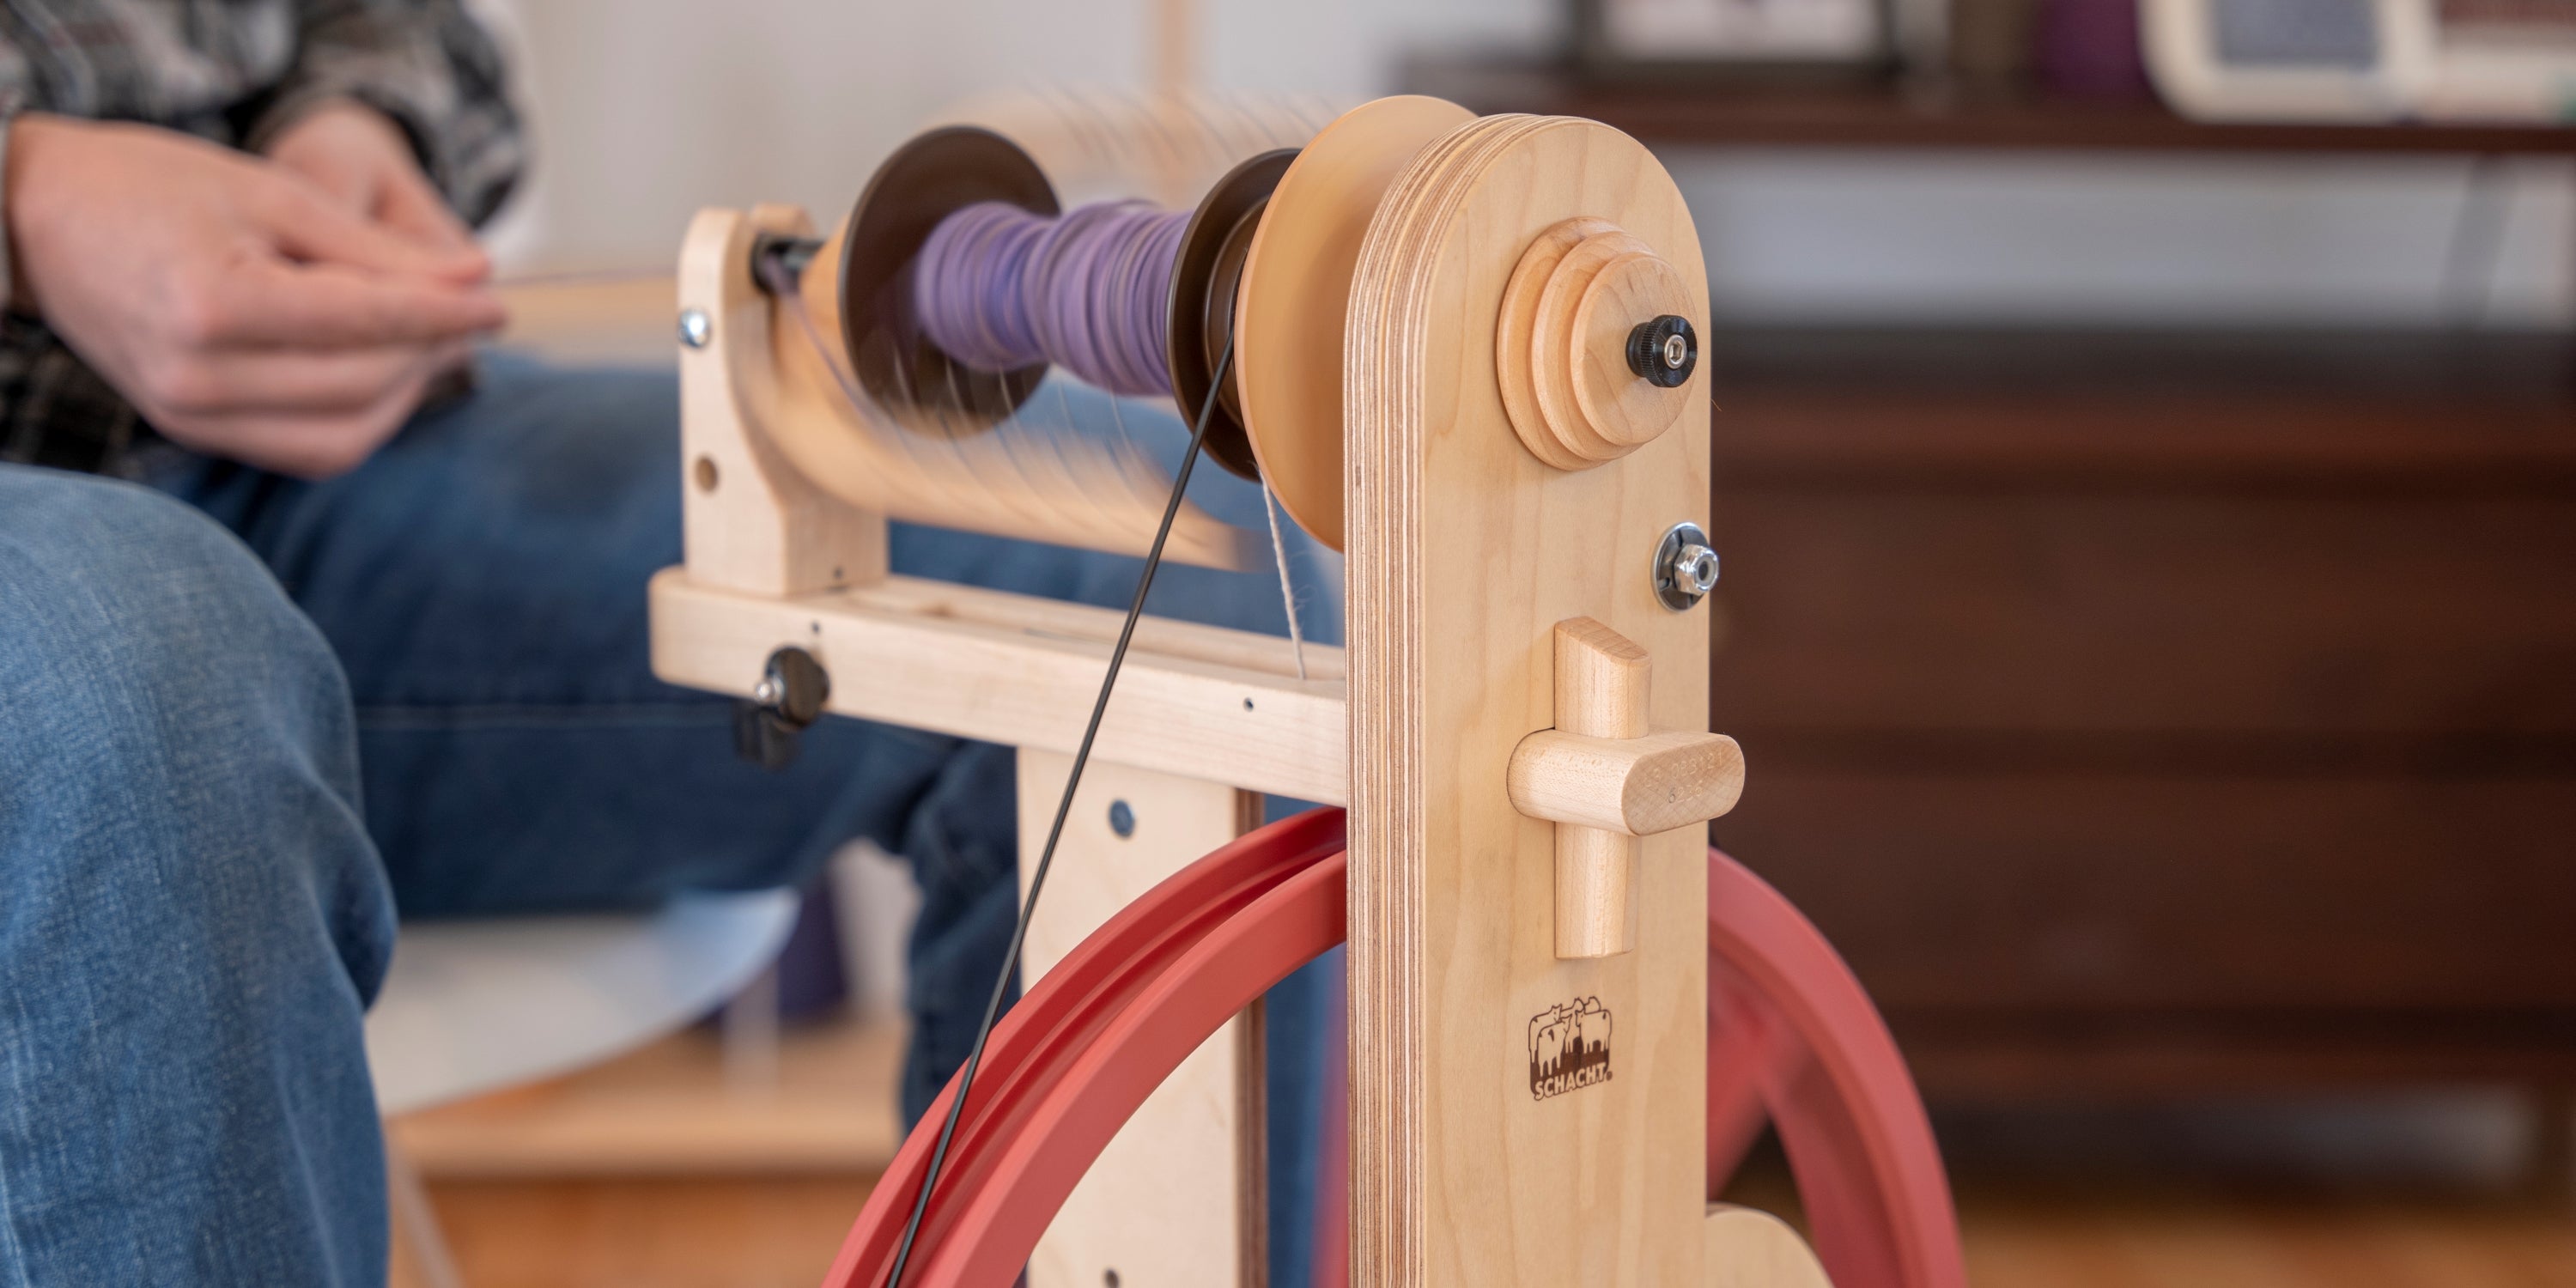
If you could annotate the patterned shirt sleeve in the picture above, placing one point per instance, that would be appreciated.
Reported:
(424, 63)
(54, 410)
(14, 87)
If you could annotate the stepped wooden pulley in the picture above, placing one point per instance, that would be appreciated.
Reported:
(1465, 351)
(1594, 345)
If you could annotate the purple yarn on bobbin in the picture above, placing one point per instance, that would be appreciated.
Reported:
(999, 288)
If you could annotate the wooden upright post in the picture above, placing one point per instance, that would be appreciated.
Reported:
(1179, 1196)
(749, 520)
(1176, 46)
(1518, 1118)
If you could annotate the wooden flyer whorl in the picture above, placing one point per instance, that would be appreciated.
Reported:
(925, 181)
(1290, 324)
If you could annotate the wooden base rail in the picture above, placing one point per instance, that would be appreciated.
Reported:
(1195, 702)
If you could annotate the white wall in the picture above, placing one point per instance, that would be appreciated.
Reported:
(2150, 240)
(650, 108)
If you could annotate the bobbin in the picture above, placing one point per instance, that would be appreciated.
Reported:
(861, 280)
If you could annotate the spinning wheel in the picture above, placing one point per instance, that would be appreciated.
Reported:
(1465, 351)
(1791, 1036)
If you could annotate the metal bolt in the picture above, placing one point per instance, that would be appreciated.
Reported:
(1685, 567)
(1676, 351)
(696, 328)
(766, 693)
(1696, 569)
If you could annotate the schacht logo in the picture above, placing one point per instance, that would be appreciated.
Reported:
(1569, 1047)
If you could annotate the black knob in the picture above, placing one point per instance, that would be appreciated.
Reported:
(795, 686)
(1665, 351)
(790, 696)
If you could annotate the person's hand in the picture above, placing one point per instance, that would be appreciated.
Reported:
(363, 160)
(240, 309)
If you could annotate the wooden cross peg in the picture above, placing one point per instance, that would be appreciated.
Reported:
(1604, 780)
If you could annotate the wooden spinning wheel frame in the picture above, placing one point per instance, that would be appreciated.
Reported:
(1567, 1017)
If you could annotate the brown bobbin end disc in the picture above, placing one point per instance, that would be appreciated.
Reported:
(925, 181)
(1205, 276)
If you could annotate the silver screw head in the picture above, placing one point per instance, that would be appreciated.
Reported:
(767, 693)
(1696, 570)
(1685, 568)
(1676, 351)
(696, 328)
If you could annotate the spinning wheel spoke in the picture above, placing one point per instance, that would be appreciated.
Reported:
(1752, 1057)
(1868, 1171)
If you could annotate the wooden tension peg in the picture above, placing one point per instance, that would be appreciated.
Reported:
(1604, 780)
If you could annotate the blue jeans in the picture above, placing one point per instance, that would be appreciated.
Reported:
(228, 758)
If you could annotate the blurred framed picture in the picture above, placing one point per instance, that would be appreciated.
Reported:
(2364, 60)
(1699, 39)
(2510, 60)
(2288, 60)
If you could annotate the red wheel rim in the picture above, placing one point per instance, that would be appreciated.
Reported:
(1792, 1038)
(1083, 1049)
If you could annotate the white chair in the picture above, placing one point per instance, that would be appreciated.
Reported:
(471, 1007)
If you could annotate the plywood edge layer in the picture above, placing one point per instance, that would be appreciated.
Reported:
(1384, 380)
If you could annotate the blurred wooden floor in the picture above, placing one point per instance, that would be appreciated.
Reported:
(2105, 1241)
(658, 1171)
(755, 1233)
